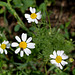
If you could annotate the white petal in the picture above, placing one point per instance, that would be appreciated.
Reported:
(32, 10)
(64, 56)
(27, 51)
(31, 45)
(5, 42)
(61, 52)
(24, 37)
(63, 63)
(36, 21)
(29, 40)
(8, 46)
(58, 52)
(52, 56)
(29, 20)
(14, 44)
(1, 50)
(17, 38)
(0, 44)
(60, 66)
(27, 16)
(53, 61)
(5, 51)
(17, 50)
(21, 53)
(39, 15)
(54, 53)
(56, 64)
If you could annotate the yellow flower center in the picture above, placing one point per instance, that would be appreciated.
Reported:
(23, 45)
(33, 15)
(58, 59)
(3, 46)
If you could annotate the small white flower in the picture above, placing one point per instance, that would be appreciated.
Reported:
(24, 45)
(58, 59)
(3, 46)
(34, 16)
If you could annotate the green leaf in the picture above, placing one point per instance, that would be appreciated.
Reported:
(32, 28)
(51, 68)
(17, 3)
(17, 27)
(26, 4)
(23, 4)
(43, 9)
(67, 24)
(1, 10)
(62, 26)
(66, 33)
(73, 71)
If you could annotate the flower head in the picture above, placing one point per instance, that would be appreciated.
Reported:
(58, 59)
(34, 16)
(24, 45)
(3, 46)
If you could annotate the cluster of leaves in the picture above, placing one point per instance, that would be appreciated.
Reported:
(64, 28)
(47, 42)
(23, 4)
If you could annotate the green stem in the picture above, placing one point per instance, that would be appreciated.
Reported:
(1, 64)
(48, 16)
(45, 69)
(11, 49)
(49, 20)
(5, 23)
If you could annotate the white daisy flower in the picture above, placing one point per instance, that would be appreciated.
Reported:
(3, 46)
(58, 59)
(24, 45)
(34, 17)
